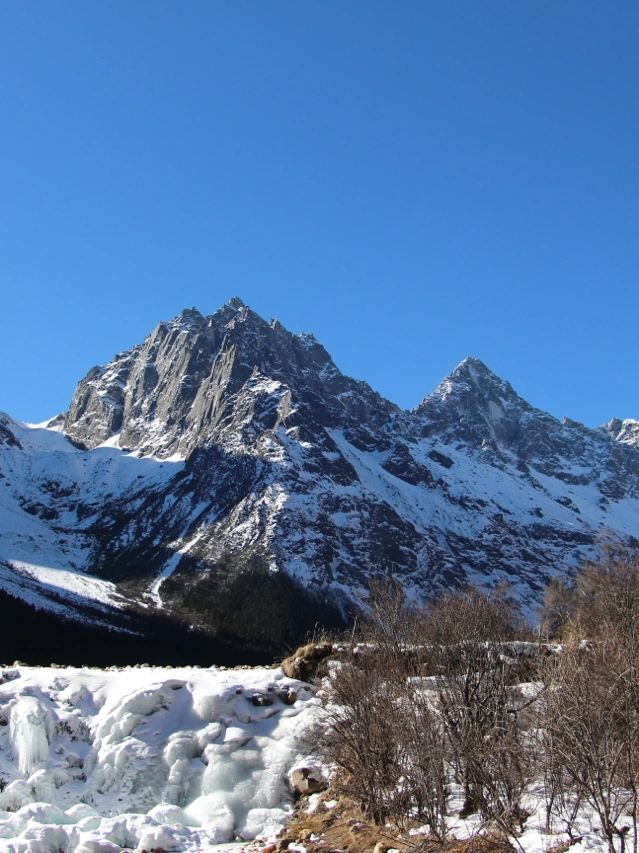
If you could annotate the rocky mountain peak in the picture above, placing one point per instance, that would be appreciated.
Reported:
(296, 480)
(473, 376)
(624, 431)
(236, 303)
(474, 405)
(183, 384)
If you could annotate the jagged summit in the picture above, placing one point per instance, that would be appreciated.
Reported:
(475, 405)
(237, 303)
(471, 383)
(176, 391)
(193, 374)
(473, 364)
(475, 370)
(472, 373)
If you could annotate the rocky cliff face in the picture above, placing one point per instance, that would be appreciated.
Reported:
(226, 466)
(198, 380)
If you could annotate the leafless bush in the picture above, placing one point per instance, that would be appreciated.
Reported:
(388, 740)
(607, 598)
(392, 628)
(466, 635)
(590, 716)
(401, 739)
(435, 701)
(425, 780)
(362, 738)
(492, 756)
(591, 738)
(558, 607)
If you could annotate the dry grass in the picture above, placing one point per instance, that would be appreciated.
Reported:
(489, 843)
(345, 828)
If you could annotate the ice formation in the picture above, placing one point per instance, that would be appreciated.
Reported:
(143, 758)
(28, 726)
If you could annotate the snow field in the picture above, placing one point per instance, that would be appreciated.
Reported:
(142, 758)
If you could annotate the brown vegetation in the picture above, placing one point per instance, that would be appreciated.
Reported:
(429, 706)
(589, 721)
(305, 661)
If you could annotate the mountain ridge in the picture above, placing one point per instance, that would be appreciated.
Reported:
(225, 457)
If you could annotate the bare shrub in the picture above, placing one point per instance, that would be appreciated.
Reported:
(590, 723)
(472, 615)
(425, 780)
(388, 740)
(558, 607)
(592, 737)
(492, 756)
(467, 635)
(435, 700)
(400, 737)
(362, 738)
(392, 628)
(607, 598)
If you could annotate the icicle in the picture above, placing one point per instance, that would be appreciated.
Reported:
(28, 730)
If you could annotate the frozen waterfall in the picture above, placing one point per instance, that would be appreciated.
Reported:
(28, 725)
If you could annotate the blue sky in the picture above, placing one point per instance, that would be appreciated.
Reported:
(413, 182)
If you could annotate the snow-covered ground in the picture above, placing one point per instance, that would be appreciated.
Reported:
(182, 759)
(144, 758)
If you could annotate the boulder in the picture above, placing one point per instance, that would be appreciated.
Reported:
(306, 780)
(303, 663)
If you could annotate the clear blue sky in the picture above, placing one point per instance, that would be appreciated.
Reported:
(413, 182)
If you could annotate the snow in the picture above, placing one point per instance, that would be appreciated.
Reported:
(170, 566)
(50, 493)
(182, 759)
(63, 581)
(147, 757)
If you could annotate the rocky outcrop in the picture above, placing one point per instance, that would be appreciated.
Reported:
(307, 780)
(303, 664)
(624, 431)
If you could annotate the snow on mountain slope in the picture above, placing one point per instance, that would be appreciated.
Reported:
(50, 494)
(178, 759)
(225, 456)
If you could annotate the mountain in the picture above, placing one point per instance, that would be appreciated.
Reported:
(226, 473)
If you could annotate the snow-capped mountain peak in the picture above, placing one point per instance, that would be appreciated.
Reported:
(240, 464)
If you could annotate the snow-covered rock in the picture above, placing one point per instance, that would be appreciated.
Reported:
(625, 431)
